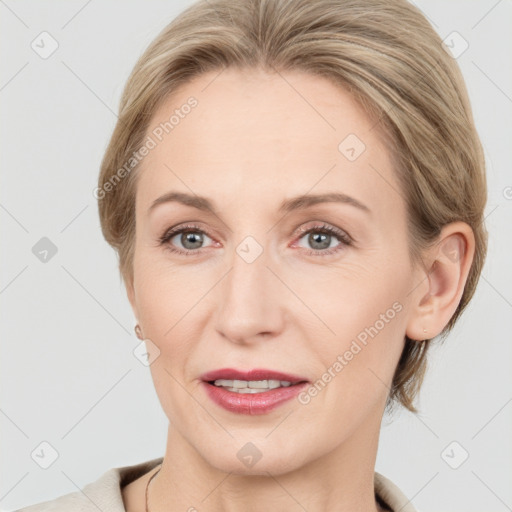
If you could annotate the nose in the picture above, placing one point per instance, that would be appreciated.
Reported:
(250, 302)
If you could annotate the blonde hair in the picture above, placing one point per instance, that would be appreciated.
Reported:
(391, 60)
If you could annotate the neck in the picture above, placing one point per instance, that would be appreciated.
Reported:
(340, 480)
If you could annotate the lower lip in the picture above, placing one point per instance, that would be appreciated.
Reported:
(252, 403)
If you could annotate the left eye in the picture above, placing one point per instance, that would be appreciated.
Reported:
(321, 237)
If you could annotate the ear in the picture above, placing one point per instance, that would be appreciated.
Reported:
(442, 281)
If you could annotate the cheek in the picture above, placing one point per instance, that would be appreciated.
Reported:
(163, 293)
(364, 312)
(159, 301)
(350, 298)
(168, 310)
(173, 304)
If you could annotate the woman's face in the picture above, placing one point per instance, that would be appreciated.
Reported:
(258, 285)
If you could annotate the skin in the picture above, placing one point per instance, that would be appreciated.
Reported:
(253, 141)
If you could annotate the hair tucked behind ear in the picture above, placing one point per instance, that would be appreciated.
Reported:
(385, 53)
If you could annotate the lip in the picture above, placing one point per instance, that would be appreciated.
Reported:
(252, 404)
(255, 374)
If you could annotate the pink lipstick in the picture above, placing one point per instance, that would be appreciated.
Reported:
(252, 392)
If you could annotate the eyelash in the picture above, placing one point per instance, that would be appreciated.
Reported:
(343, 237)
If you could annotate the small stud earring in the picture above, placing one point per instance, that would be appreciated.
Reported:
(138, 332)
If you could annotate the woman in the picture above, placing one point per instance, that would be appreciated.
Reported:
(296, 193)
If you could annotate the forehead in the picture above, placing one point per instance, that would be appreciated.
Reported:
(250, 132)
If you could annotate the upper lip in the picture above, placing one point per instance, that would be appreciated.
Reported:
(254, 374)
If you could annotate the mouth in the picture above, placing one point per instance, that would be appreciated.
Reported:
(252, 381)
(251, 392)
(250, 387)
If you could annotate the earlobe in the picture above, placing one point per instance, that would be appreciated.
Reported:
(450, 261)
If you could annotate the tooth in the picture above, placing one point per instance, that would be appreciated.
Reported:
(248, 390)
(258, 384)
(252, 386)
(223, 382)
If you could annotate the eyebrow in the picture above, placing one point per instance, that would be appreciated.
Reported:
(301, 202)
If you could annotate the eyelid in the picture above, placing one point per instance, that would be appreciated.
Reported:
(192, 225)
(319, 225)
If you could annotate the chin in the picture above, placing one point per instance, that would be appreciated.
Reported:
(257, 457)
(275, 465)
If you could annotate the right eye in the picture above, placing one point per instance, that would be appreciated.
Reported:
(191, 237)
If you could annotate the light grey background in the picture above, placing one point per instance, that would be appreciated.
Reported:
(68, 373)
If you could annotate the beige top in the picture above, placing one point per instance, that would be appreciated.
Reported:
(105, 493)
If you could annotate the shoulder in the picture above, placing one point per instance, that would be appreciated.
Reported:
(72, 501)
(391, 495)
(102, 494)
